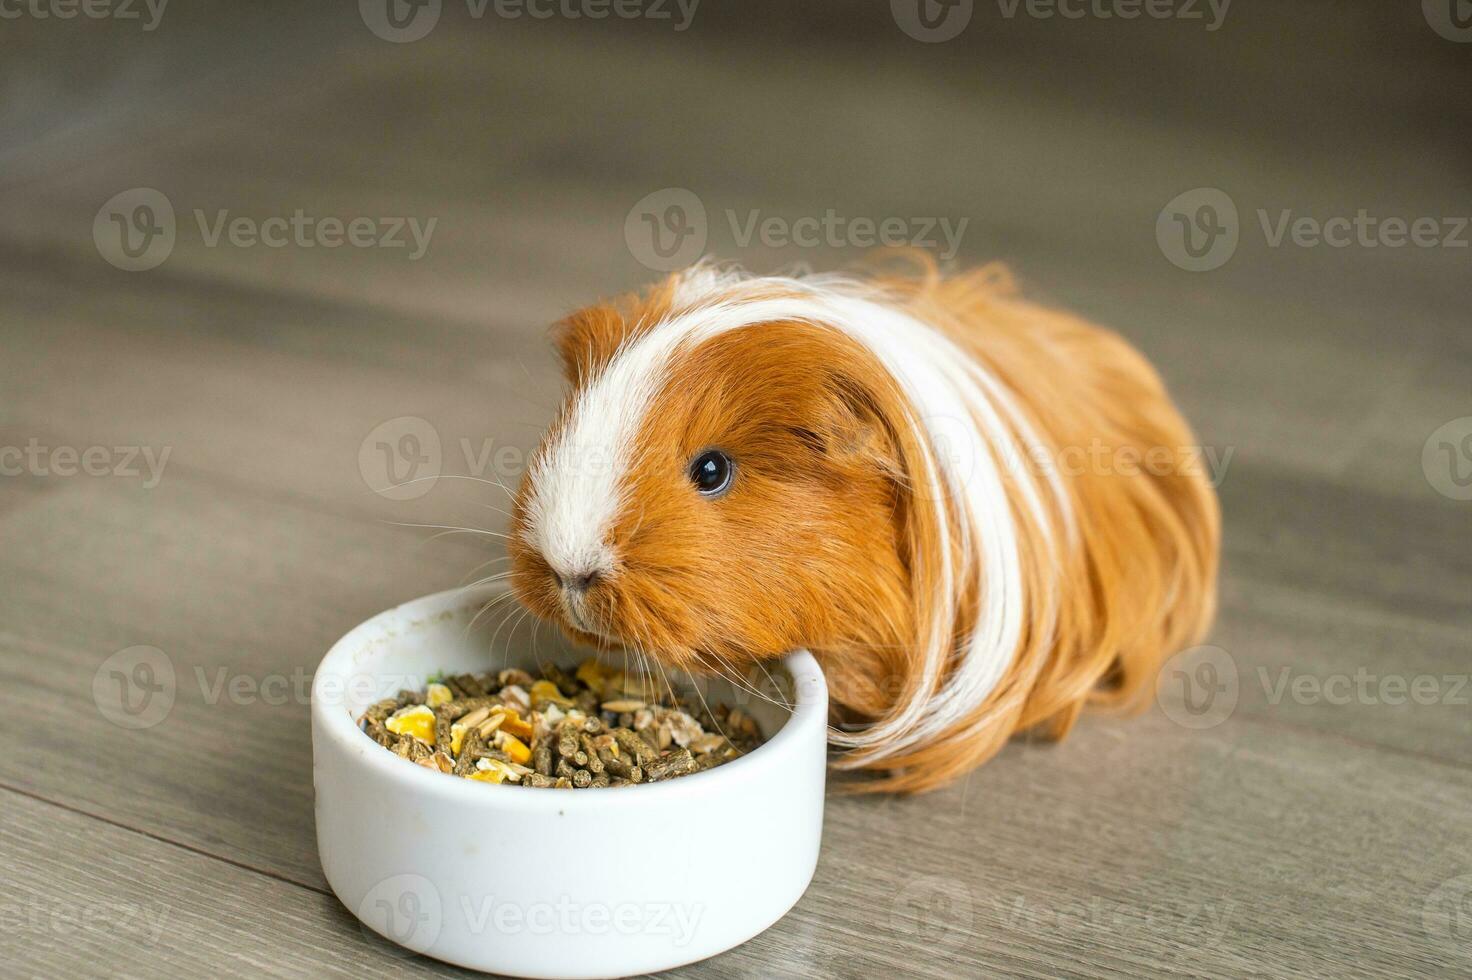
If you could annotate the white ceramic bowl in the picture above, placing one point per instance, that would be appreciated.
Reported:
(546, 882)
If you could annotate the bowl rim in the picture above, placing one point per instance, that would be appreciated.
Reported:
(332, 720)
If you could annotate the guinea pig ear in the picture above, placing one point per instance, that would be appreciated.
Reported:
(854, 430)
(587, 340)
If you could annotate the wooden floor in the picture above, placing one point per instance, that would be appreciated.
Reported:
(1312, 820)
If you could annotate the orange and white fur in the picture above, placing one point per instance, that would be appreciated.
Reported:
(934, 485)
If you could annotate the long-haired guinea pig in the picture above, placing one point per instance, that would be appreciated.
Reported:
(972, 509)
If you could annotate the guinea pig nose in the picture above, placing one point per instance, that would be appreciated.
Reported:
(577, 583)
(582, 583)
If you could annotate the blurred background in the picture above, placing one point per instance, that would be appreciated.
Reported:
(286, 272)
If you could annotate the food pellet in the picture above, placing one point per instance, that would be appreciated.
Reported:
(590, 728)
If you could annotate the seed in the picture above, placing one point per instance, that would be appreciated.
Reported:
(513, 675)
(594, 728)
(706, 744)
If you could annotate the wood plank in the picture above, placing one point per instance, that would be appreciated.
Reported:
(88, 898)
(1095, 826)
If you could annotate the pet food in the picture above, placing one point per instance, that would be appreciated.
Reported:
(595, 727)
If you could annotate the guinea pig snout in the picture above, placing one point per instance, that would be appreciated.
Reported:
(577, 582)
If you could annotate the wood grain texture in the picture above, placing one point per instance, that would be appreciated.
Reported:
(1300, 833)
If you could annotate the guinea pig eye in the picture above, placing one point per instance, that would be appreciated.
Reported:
(711, 472)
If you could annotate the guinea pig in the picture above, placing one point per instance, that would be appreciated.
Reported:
(977, 512)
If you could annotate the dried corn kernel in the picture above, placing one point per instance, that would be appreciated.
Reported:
(513, 747)
(416, 720)
(592, 673)
(457, 738)
(520, 729)
(547, 691)
(438, 694)
(487, 776)
(512, 724)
